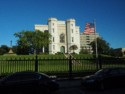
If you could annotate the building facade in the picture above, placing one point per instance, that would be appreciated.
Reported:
(123, 52)
(87, 37)
(64, 34)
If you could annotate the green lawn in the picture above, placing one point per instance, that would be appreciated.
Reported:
(46, 63)
(42, 56)
(51, 63)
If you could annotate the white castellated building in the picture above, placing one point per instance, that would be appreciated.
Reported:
(63, 35)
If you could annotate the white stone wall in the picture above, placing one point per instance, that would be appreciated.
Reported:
(70, 33)
(77, 39)
(73, 35)
(41, 27)
(123, 52)
(56, 28)
(62, 30)
(52, 23)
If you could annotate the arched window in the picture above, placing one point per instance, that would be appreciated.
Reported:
(62, 38)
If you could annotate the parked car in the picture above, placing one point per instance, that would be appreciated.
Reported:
(28, 82)
(105, 78)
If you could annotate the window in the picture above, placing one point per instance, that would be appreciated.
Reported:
(53, 39)
(62, 38)
(114, 72)
(72, 39)
(87, 37)
(22, 77)
(72, 30)
(122, 71)
(87, 42)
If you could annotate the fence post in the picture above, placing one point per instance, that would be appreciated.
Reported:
(100, 62)
(36, 64)
(70, 67)
(96, 61)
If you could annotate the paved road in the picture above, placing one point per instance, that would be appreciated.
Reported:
(74, 87)
(70, 91)
(110, 91)
(69, 87)
(80, 91)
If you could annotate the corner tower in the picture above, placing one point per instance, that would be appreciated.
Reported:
(72, 35)
(52, 28)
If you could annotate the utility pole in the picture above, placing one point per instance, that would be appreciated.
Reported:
(96, 48)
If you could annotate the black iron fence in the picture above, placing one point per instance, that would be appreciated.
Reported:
(66, 67)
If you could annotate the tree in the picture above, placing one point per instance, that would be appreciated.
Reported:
(24, 41)
(102, 46)
(41, 40)
(4, 49)
(123, 53)
(116, 52)
(84, 51)
(30, 41)
(73, 47)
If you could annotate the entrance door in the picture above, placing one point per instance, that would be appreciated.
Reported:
(62, 49)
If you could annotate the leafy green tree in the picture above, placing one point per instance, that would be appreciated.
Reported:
(4, 49)
(32, 42)
(24, 41)
(102, 46)
(116, 52)
(124, 53)
(14, 48)
(40, 40)
(47, 40)
(84, 51)
(73, 47)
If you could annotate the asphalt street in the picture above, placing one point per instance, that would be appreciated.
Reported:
(74, 87)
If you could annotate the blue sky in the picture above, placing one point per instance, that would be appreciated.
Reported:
(18, 15)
